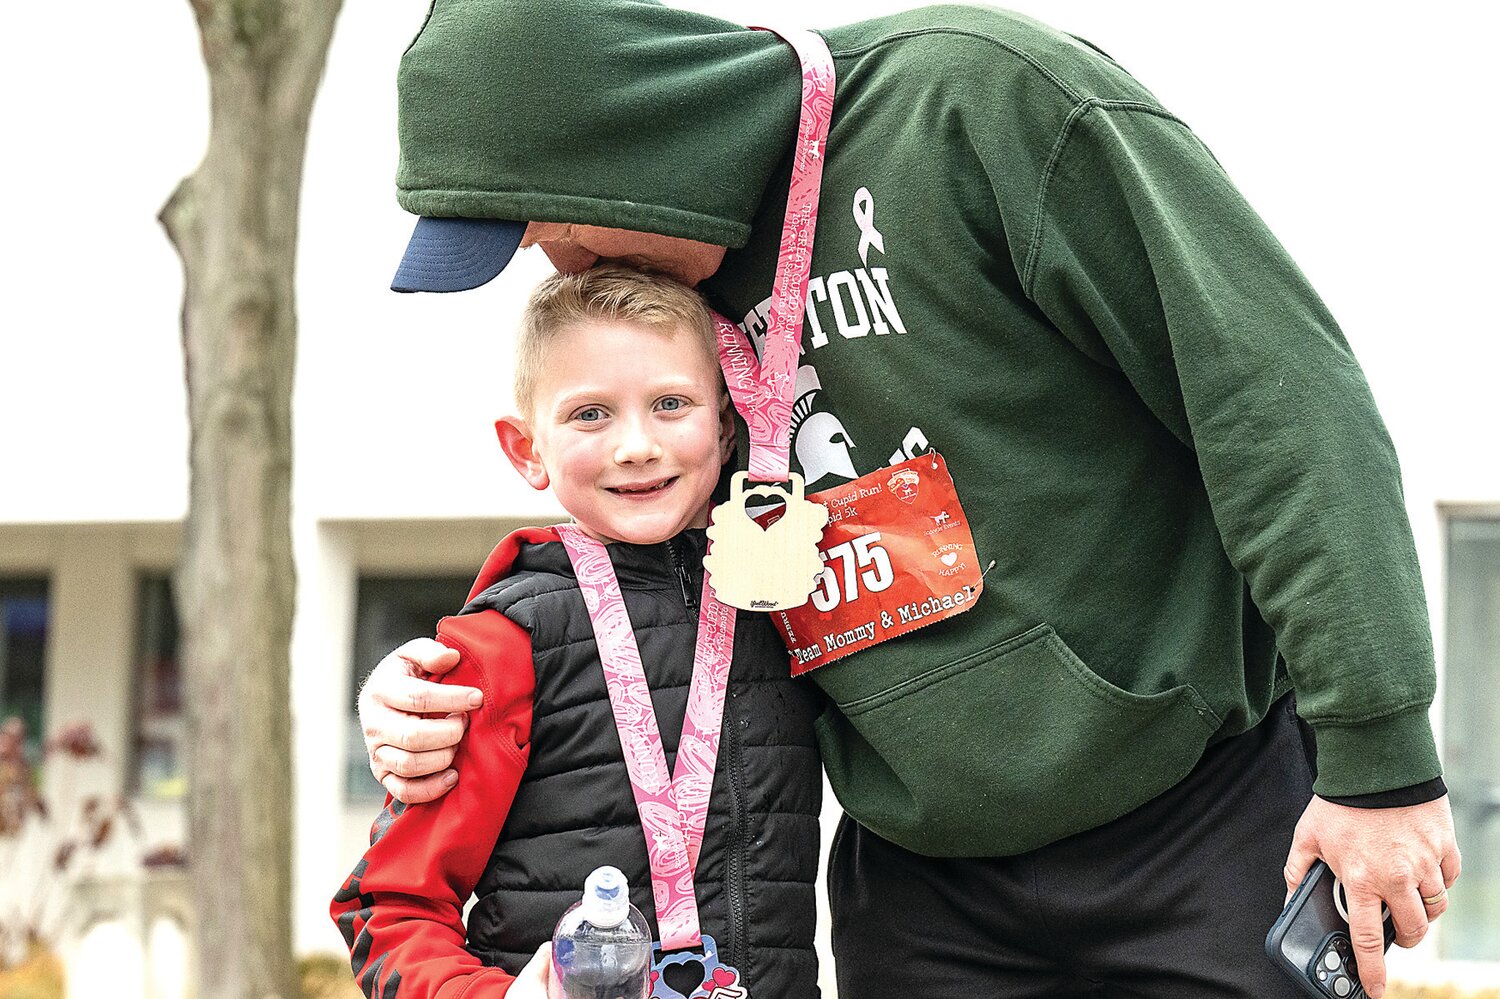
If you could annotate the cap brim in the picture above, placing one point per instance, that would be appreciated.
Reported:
(448, 254)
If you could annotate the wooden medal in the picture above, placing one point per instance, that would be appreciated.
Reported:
(765, 568)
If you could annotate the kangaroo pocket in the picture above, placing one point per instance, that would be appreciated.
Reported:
(1007, 749)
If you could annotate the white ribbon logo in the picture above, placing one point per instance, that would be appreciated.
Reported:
(864, 217)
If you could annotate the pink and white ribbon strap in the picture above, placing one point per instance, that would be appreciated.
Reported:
(673, 808)
(762, 391)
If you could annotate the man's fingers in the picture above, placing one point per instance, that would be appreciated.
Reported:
(377, 721)
(419, 657)
(391, 760)
(427, 655)
(409, 753)
(413, 733)
(414, 695)
(1452, 865)
(1367, 934)
(1298, 861)
(416, 790)
(1410, 917)
(1432, 889)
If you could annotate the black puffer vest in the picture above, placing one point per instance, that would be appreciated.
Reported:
(574, 810)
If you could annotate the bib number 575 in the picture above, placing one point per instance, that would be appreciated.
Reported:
(862, 561)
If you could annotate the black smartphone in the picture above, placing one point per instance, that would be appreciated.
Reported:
(1310, 940)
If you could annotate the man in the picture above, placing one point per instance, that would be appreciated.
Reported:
(1089, 781)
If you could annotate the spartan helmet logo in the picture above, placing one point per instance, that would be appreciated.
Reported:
(822, 443)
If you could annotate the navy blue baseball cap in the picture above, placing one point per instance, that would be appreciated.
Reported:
(451, 254)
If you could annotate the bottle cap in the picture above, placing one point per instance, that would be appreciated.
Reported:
(606, 897)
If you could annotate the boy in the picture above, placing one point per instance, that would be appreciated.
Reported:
(625, 417)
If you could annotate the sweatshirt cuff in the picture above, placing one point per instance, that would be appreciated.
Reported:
(1417, 794)
(1383, 754)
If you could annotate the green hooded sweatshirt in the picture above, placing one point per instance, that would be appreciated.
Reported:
(1023, 261)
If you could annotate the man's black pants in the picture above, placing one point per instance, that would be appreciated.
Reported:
(1172, 900)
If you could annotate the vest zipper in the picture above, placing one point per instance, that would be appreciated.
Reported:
(688, 600)
(734, 867)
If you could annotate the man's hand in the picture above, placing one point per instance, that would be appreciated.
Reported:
(412, 725)
(1406, 857)
(531, 983)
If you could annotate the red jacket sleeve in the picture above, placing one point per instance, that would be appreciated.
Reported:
(401, 911)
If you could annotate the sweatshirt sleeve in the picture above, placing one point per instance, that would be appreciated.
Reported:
(401, 910)
(1145, 255)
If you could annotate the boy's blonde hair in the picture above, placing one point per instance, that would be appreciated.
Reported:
(608, 293)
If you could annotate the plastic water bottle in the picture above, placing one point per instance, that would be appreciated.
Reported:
(601, 948)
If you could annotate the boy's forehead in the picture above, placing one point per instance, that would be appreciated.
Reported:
(623, 332)
(605, 342)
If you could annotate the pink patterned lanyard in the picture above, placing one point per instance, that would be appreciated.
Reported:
(762, 390)
(673, 809)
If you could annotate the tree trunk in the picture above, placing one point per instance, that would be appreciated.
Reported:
(234, 223)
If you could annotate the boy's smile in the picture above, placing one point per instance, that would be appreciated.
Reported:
(629, 427)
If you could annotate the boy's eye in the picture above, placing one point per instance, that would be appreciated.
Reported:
(591, 414)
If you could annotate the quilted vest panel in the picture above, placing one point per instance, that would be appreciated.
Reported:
(574, 810)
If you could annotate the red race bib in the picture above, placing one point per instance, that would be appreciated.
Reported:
(898, 556)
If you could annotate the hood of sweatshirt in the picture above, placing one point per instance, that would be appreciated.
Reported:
(618, 113)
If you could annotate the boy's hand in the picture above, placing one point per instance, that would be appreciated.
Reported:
(412, 725)
(533, 980)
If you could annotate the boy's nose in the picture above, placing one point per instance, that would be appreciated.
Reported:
(635, 444)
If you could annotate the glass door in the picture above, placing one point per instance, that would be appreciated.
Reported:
(1471, 751)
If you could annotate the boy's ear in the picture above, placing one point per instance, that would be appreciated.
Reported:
(515, 441)
(726, 429)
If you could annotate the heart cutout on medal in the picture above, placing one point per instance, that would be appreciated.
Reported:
(950, 558)
(685, 978)
(765, 514)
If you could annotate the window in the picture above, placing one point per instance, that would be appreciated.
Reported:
(390, 611)
(159, 723)
(24, 611)
(1471, 705)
